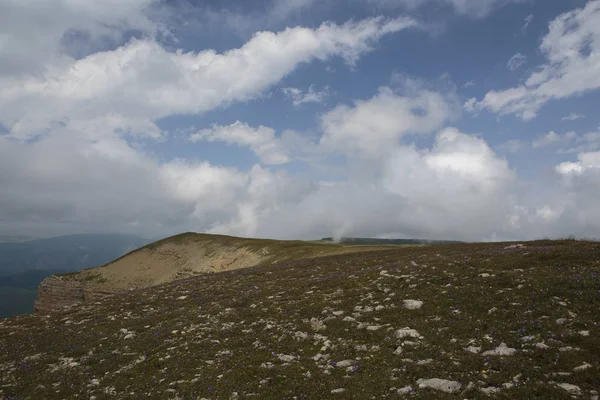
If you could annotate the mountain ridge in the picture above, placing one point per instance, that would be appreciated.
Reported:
(173, 258)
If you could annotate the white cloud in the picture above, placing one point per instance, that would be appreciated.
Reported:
(34, 32)
(311, 96)
(572, 67)
(570, 142)
(587, 162)
(83, 168)
(372, 126)
(552, 138)
(585, 143)
(516, 61)
(261, 140)
(469, 84)
(528, 20)
(572, 117)
(472, 8)
(144, 81)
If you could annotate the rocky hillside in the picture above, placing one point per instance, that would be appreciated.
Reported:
(460, 321)
(177, 257)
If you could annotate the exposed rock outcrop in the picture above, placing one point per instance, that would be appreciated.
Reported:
(56, 292)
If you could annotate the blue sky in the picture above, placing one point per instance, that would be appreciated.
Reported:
(459, 119)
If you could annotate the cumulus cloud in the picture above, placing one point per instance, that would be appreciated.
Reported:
(33, 32)
(261, 140)
(572, 66)
(144, 81)
(370, 127)
(75, 156)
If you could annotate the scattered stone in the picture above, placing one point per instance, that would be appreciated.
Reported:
(572, 389)
(443, 385)
(412, 304)
(345, 363)
(405, 390)
(407, 332)
(490, 390)
(582, 367)
(286, 358)
(502, 350)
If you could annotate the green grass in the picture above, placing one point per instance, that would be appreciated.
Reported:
(232, 327)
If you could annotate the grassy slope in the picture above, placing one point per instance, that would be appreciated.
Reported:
(219, 334)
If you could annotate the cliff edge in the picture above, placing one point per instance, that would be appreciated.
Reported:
(175, 258)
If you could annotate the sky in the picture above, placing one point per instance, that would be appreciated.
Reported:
(300, 119)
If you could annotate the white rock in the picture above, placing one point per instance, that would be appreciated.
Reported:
(338, 390)
(412, 304)
(490, 390)
(582, 367)
(182, 298)
(573, 389)
(542, 346)
(317, 325)
(584, 333)
(502, 350)
(407, 332)
(443, 385)
(473, 349)
(345, 363)
(405, 390)
(373, 327)
(286, 358)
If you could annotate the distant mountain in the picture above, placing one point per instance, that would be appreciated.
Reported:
(66, 253)
(15, 238)
(24, 265)
(375, 241)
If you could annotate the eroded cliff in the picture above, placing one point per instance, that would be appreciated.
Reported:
(171, 259)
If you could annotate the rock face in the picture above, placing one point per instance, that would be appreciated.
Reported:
(56, 292)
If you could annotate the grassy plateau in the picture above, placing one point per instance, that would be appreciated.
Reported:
(459, 321)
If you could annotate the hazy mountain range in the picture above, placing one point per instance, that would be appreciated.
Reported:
(24, 264)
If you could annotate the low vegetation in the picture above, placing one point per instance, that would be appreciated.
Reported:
(459, 321)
